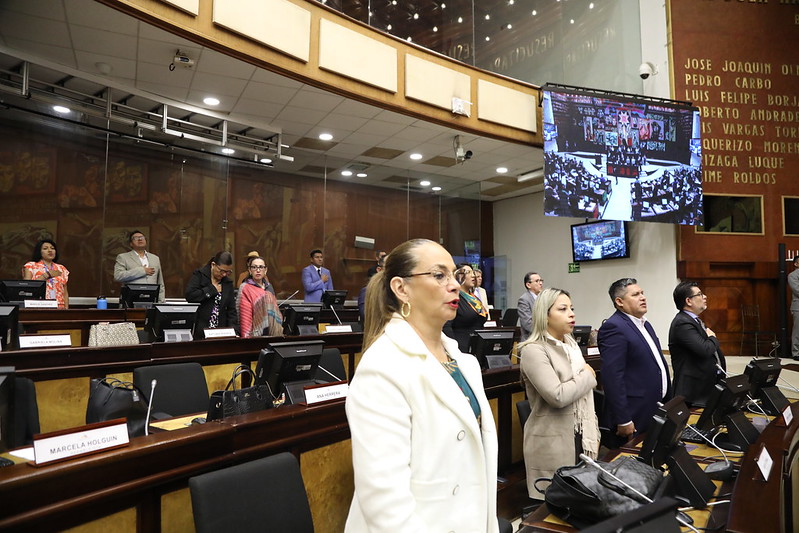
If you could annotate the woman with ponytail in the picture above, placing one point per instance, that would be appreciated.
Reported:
(424, 445)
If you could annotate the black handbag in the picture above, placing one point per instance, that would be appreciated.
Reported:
(582, 495)
(230, 402)
(110, 398)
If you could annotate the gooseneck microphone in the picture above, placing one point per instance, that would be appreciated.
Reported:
(289, 298)
(153, 383)
(329, 373)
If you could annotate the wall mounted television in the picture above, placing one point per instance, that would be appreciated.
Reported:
(619, 156)
(605, 239)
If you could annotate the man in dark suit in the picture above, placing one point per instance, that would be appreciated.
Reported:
(634, 373)
(316, 278)
(533, 283)
(694, 347)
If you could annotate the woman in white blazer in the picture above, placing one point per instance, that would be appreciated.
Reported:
(424, 445)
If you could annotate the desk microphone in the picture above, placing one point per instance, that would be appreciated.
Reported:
(720, 470)
(335, 314)
(329, 373)
(289, 298)
(626, 485)
(153, 383)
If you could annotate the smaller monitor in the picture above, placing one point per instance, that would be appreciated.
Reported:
(492, 347)
(288, 367)
(301, 319)
(763, 375)
(729, 395)
(6, 408)
(9, 327)
(664, 432)
(604, 239)
(139, 295)
(173, 321)
(19, 290)
(331, 298)
(582, 334)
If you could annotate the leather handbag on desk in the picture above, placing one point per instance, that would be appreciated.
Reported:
(110, 398)
(230, 402)
(582, 495)
(116, 334)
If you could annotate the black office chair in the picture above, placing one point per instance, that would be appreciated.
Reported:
(332, 362)
(524, 410)
(505, 526)
(263, 495)
(26, 413)
(510, 317)
(181, 388)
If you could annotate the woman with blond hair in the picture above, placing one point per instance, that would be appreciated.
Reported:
(559, 385)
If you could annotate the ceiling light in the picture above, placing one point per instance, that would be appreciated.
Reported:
(325, 137)
(460, 19)
(571, 21)
(436, 189)
(61, 109)
(346, 173)
(388, 27)
(502, 170)
(415, 16)
(488, 16)
(510, 2)
(266, 160)
(416, 156)
(538, 173)
(228, 151)
(103, 68)
(409, 38)
(508, 26)
(591, 5)
(488, 38)
(424, 183)
(361, 174)
(443, 6)
(535, 12)
(435, 28)
(210, 100)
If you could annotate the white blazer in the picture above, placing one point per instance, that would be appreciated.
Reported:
(421, 461)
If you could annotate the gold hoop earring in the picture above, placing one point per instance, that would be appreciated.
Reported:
(405, 314)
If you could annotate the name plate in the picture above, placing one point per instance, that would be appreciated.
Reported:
(44, 341)
(338, 328)
(41, 304)
(93, 438)
(218, 333)
(324, 393)
(490, 324)
(593, 350)
(787, 415)
(764, 463)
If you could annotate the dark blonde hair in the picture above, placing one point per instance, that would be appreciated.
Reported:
(381, 302)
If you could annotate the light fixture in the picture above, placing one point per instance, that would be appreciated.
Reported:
(508, 26)
(346, 173)
(443, 6)
(408, 38)
(502, 170)
(571, 21)
(436, 189)
(416, 16)
(435, 28)
(416, 156)
(103, 68)
(325, 137)
(266, 160)
(533, 174)
(210, 100)
(488, 38)
(535, 12)
(361, 174)
(460, 20)
(388, 27)
(228, 151)
(61, 109)
(488, 16)
(424, 183)
(591, 5)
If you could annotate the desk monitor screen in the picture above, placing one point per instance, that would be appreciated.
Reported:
(19, 290)
(139, 295)
(729, 395)
(301, 319)
(6, 407)
(664, 432)
(9, 327)
(582, 334)
(331, 298)
(163, 317)
(659, 516)
(492, 347)
(289, 367)
(762, 373)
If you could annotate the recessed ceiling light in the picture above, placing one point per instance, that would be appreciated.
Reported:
(228, 151)
(388, 27)
(103, 68)
(61, 109)
(416, 16)
(210, 100)
(325, 137)
(443, 6)
(591, 5)
(416, 156)
(361, 174)
(488, 17)
(571, 21)
(424, 183)
(435, 28)
(509, 26)
(346, 173)
(488, 38)
(535, 12)
(266, 160)
(436, 189)
(502, 170)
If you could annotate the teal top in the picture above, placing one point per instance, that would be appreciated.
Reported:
(451, 366)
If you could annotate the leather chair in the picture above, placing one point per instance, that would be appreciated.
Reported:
(181, 388)
(510, 317)
(332, 362)
(523, 409)
(263, 495)
(26, 413)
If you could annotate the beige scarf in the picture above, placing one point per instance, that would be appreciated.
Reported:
(585, 421)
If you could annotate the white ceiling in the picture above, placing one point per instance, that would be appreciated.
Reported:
(75, 35)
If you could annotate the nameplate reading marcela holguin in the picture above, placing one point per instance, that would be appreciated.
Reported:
(92, 438)
(41, 304)
(44, 341)
(324, 393)
(218, 333)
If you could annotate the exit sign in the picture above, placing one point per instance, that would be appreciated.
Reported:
(574, 268)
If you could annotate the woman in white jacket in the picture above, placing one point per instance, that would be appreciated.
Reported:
(424, 445)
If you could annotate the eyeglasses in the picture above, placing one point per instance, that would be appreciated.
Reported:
(223, 270)
(442, 278)
(257, 267)
(697, 294)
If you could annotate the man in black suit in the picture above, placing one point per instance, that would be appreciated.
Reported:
(694, 348)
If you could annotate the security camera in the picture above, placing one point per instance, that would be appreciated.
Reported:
(468, 155)
(647, 69)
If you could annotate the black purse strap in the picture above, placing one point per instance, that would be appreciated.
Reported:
(535, 483)
(240, 370)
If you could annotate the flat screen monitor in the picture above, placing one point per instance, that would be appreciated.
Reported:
(621, 156)
(582, 334)
(605, 239)
(6, 407)
(763, 375)
(492, 347)
(301, 319)
(19, 290)
(729, 396)
(331, 298)
(161, 318)
(139, 295)
(659, 516)
(9, 327)
(288, 367)
(665, 431)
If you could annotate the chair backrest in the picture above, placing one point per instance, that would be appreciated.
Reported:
(524, 410)
(263, 495)
(332, 362)
(26, 413)
(750, 317)
(510, 317)
(181, 388)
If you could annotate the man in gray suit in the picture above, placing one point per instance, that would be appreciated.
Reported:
(533, 283)
(139, 265)
(793, 283)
